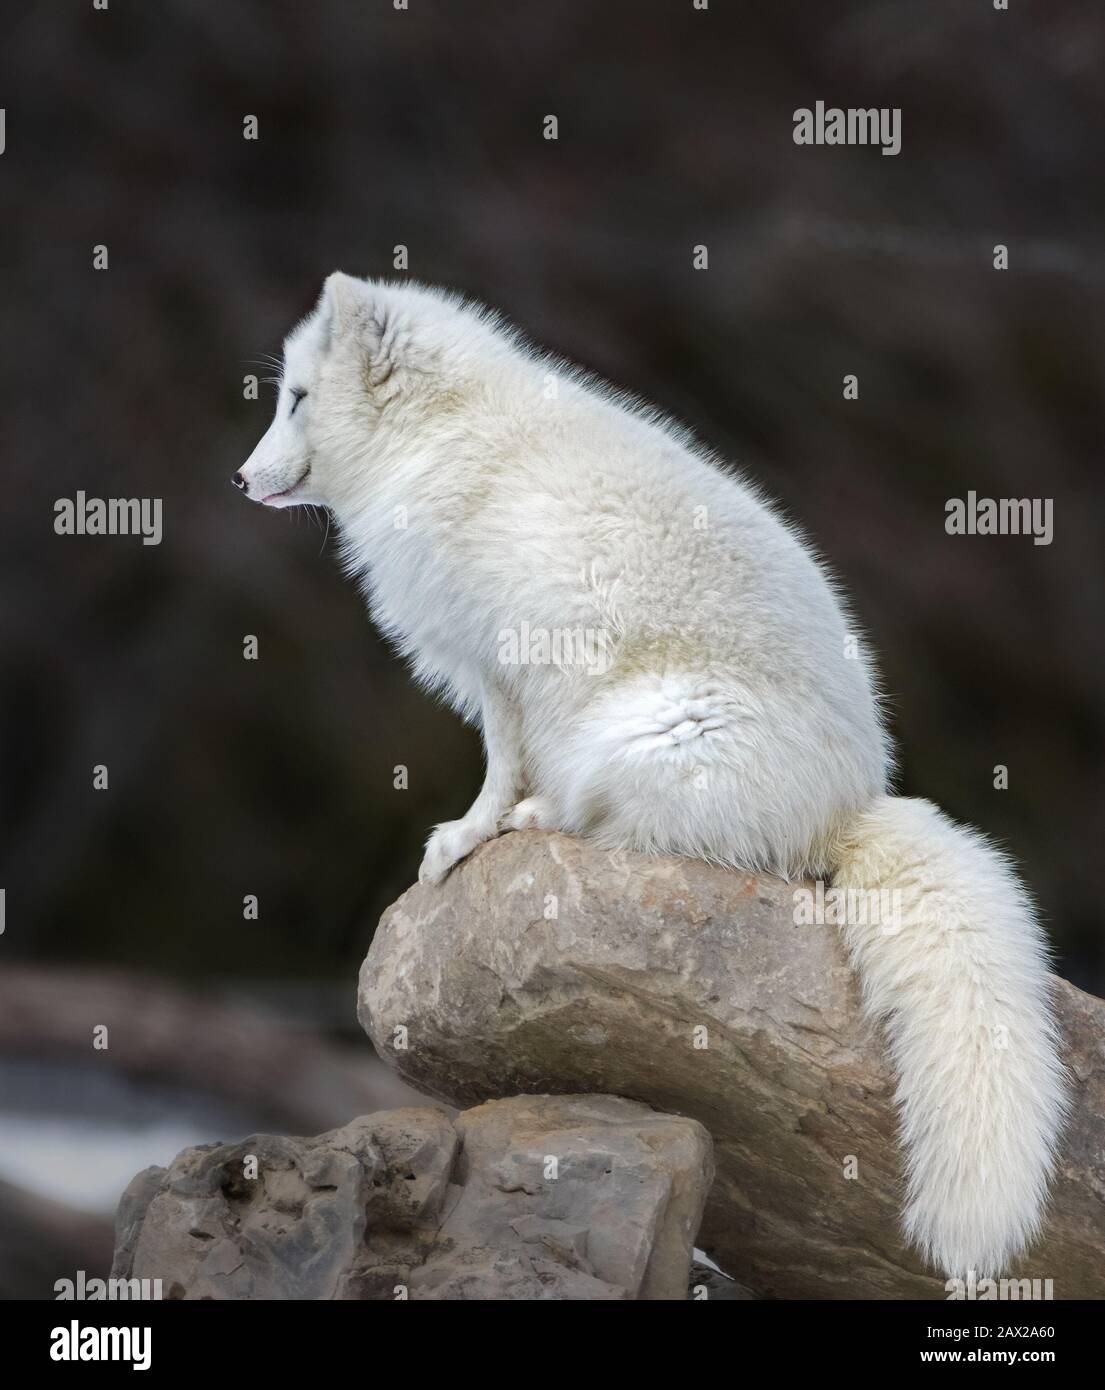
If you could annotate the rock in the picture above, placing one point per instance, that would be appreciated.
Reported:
(624, 1207)
(537, 1197)
(546, 964)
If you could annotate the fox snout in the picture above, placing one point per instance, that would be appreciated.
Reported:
(274, 474)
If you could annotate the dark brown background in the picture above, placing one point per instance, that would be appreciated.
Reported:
(424, 128)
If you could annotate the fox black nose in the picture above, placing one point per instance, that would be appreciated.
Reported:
(238, 480)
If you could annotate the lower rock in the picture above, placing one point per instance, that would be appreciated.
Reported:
(535, 1197)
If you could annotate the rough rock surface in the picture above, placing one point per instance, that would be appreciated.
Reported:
(537, 1197)
(546, 964)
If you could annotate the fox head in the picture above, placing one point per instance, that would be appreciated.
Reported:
(369, 368)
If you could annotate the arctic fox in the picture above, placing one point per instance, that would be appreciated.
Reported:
(497, 505)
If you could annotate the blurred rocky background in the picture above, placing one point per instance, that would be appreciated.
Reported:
(380, 127)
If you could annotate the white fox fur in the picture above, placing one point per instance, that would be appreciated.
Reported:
(724, 708)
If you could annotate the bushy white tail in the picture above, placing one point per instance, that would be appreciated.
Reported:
(960, 980)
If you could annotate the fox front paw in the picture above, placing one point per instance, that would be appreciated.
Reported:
(451, 842)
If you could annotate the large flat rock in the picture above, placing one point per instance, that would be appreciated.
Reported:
(543, 964)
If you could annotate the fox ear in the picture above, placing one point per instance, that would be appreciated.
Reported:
(353, 309)
(343, 298)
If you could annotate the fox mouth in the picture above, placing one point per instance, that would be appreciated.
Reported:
(275, 496)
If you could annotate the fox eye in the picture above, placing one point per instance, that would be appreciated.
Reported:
(297, 396)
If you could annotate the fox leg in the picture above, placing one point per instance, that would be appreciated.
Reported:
(534, 813)
(454, 840)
